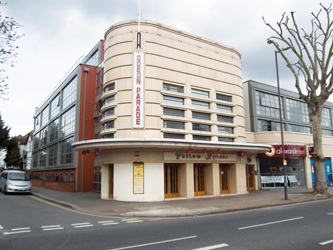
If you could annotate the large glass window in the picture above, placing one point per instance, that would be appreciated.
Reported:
(37, 122)
(109, 87)
(35, 160)
(268, 105)
(42, 158)
(53, 153)
(43, 137)
(45, 115)
(223, 97)
(173, 88)
(224, 108)
(94, 59)
(109, 100)
(327, 132)
(222, 118)
(109, 124)
(269, 126)
(66, 153)
(200, 93)
(53, 130)
(173, 100)
(173, 124)
(226, 139)
(68, 122)
(173, 136)
(299, 129)
(36, 141)
(201, 127)
(69, 93)
(55, 106)
(326, 117)
(201, 138)
(201, 116)
(297, 111)
(173, 112)
(199, 104)
(109, 112)
(225, 130)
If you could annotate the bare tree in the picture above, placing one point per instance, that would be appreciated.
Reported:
(8, 36)
(311, 63)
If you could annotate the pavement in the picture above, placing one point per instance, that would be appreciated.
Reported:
(91, 203)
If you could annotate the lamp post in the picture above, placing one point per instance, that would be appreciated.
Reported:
(281, 126)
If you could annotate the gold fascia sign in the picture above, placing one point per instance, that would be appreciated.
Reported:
(138, 174)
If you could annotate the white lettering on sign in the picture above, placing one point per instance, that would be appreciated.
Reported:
(138, 88)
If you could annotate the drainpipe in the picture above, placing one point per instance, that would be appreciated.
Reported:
(86, 70)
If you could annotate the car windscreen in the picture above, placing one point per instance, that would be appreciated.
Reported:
(18, 177)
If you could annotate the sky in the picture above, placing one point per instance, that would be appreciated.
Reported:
(58, 33)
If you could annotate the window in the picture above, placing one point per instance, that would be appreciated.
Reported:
(327, 132)
(43, 137)
(109, 124)
(326, 117)
(66, 151)
(268, 105)
(299, 129)
(224, 108)
(199, 104)
(173, 124)
(42, 158)
(69, 93)
(93, 59)
(53, 130)
(35, 160)
(201, 138)
(200, 93)
(297, 111)
(223, 97)
(224, 139)
(201, 116)
(222, 118)
(37, 122)
(108, 136)
(173, 88)
(269, 126)
(109, 112)
(68, 122)
(53, 153)
(225, 130)
(36, 141)
(173, 136)
(173, 100)
(173, 112)
(55, 107)
(201, 127)
(109, 88)
(109, 100)
(45, 115)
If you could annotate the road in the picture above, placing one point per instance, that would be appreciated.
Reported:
(27, 222)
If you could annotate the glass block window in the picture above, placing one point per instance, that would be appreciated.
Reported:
(53, 130)
(224, 139)
(201, 138)
(109, 87)
(269, 126)
(200, 93)
(45, 115)
(221, 97)
(326, 117)
(42, 158)
(268, 105)
(222, 118)
(66, 151)
(173, 112)
(199, 104)
(297, 111)
(43, 137)
(201, 127)
(327, 132)
(173, 136)
(109, 124)
(173, 100)
(224, 108)
(69, 93)
(68, 122)
(201, 116)
(53, 153)
(109, 112)
(55, 107)
(225, 130)
(299, 129)
(37, 122)
(109, 136)
(173, 88)
(109, 100)
(173, 124)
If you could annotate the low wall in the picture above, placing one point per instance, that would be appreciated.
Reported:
(59, 186)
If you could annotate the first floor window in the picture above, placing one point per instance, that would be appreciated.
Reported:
(173, 124)
(66, 151)
(173, 136)
(109, 124)
(225, 139)
(201, 127)
(225, 130)
(201, 138)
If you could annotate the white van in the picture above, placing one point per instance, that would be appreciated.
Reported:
(14, 181)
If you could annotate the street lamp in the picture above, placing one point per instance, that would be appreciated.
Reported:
(281, 126)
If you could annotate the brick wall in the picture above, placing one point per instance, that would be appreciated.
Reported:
(58, 186)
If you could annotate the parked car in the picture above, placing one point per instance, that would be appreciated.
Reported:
(14, 181)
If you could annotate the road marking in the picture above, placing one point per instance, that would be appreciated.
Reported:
(271, 223)
(212, 247)
(1, 227)
(106, 221)
(111, 223)
(326, 242)
(80, 225)
(330, 213)
(131, 220)
(17, 232)
(52, 227)
(155, 243)
(20, 229)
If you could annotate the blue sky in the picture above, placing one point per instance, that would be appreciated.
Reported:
(58, 33)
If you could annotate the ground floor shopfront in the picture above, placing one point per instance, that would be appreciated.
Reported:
(149, 173)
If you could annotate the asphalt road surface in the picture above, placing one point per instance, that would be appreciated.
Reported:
(26, 222)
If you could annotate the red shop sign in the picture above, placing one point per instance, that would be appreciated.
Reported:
(289, 151)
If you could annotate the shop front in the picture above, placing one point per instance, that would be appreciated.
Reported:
(271, 168)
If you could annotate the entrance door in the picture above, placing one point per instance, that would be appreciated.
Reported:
(171, 181)
(199, 179)
(224, 179)
(111, 181)
(250, 175)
